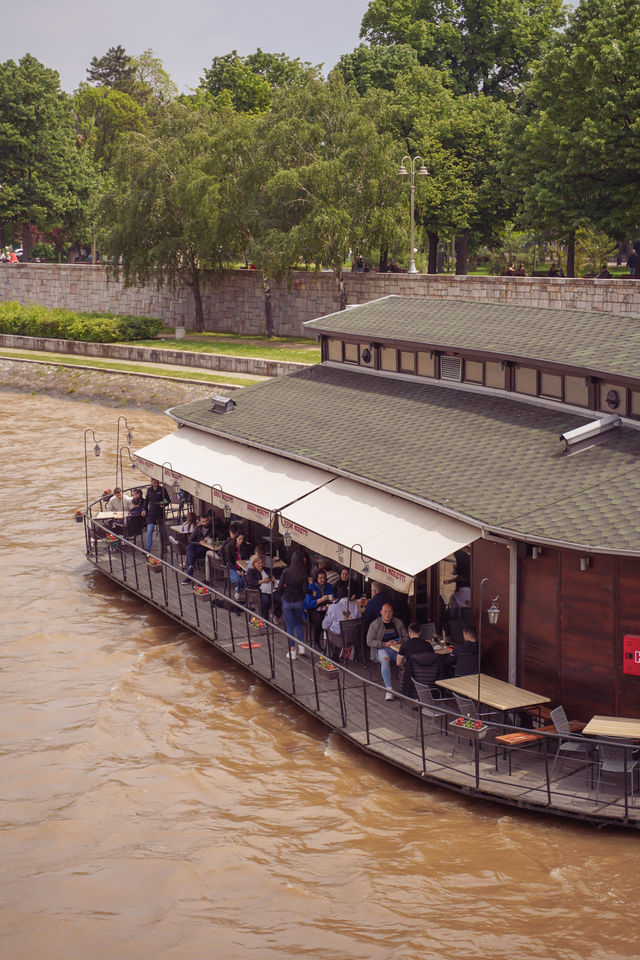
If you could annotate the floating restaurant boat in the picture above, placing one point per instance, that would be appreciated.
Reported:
(434, 428)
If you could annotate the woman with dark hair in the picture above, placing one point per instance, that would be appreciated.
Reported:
(293, 588)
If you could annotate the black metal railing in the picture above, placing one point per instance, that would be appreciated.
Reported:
(534, 774)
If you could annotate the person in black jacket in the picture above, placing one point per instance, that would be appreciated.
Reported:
(153, 508)
(421, 662)
(465, 654)
(196, 549)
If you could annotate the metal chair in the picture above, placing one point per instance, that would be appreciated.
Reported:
(431, 708)
(427, 631)
(611, 759)
(133, 528)
(351, 633)
(253, 601)
(568, 747)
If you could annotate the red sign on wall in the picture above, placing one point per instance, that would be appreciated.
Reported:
(631, 654)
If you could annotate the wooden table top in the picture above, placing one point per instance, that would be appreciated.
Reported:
(108, 515)
(626, 727)
(494, 693)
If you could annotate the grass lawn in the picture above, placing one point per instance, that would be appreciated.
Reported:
(111, 365)
(278, 348)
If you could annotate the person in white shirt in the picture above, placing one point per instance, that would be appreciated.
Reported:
(120, 502)
(343, 609)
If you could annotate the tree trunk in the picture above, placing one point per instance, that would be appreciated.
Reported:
(462, 249)
(344, 296)
(571, 254)
(433, 251)
(268, 306)
(26, 242)
(74, 251)
(194, 283)
(384, 260)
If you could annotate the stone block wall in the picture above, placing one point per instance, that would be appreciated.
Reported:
(235, 301)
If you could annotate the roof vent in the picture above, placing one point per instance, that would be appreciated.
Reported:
(220, 404)
(451, 368)
(590, 433)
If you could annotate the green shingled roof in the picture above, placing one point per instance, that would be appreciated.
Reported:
(599, 342)
(493, 460)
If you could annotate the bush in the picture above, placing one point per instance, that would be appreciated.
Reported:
(36, 321)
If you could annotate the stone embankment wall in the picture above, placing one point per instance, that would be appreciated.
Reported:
(253, 366)
(235, 301)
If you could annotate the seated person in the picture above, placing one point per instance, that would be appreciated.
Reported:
(196, 549)
(343, 609)
(375, 604)
(190, 523)
(136, 506)
(327, 566)
(319, 596)
(465, 654)
(384, 631)
(258, 578)
(345, 586)
(120, 502)
(231, 553)
(259, 552)
(421, 662)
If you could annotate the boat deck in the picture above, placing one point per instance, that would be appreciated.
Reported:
(351, 701)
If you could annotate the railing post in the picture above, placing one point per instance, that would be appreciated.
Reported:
(366, 711)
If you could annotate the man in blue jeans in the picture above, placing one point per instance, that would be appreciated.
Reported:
(383, 637)
(153, 508)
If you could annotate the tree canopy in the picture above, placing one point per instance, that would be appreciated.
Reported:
(40, 168)
(484, 46)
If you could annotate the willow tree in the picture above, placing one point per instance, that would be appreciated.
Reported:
(334, 175)
(162, 220)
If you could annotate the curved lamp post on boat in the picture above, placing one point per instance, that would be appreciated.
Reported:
(226, 509)
(403, 172)
(131, 461)
(129, 439)
(96, 451)
(492, 615)
(365, 568)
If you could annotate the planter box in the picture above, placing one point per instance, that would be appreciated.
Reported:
(154, 567)
(469, 733)
(328, 671)
(202, 596)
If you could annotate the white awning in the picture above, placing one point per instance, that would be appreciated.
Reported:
(254, 483)
(398, 538)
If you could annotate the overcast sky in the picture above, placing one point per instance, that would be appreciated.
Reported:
(185, 34)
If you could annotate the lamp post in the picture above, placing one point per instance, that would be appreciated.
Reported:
(403, 172)
(129, 439)
(492, 615)
(131, 461)
(96, 451)
(365, 568)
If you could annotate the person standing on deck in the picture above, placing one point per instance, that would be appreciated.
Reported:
(153, 508)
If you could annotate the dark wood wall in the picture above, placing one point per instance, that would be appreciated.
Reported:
(571, 624)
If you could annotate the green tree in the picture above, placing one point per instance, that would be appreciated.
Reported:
(247, 83)
(115, 69)
(161, 215)
(485, 46)
(39, 159)
(105, 115)
(377, 66)
(575, 140)
(335, 174)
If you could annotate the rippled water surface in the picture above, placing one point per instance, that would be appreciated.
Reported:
(159, 802)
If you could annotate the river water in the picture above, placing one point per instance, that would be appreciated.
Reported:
(159, 802)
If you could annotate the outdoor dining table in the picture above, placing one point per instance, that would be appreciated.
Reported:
(614, 727)
(494, 693)
(109, 515)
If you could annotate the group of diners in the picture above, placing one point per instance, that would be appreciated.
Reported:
(312, 599)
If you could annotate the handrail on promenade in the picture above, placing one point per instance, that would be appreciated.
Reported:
(127, 563)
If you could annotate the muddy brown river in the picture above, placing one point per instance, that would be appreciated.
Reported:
(158, 802)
